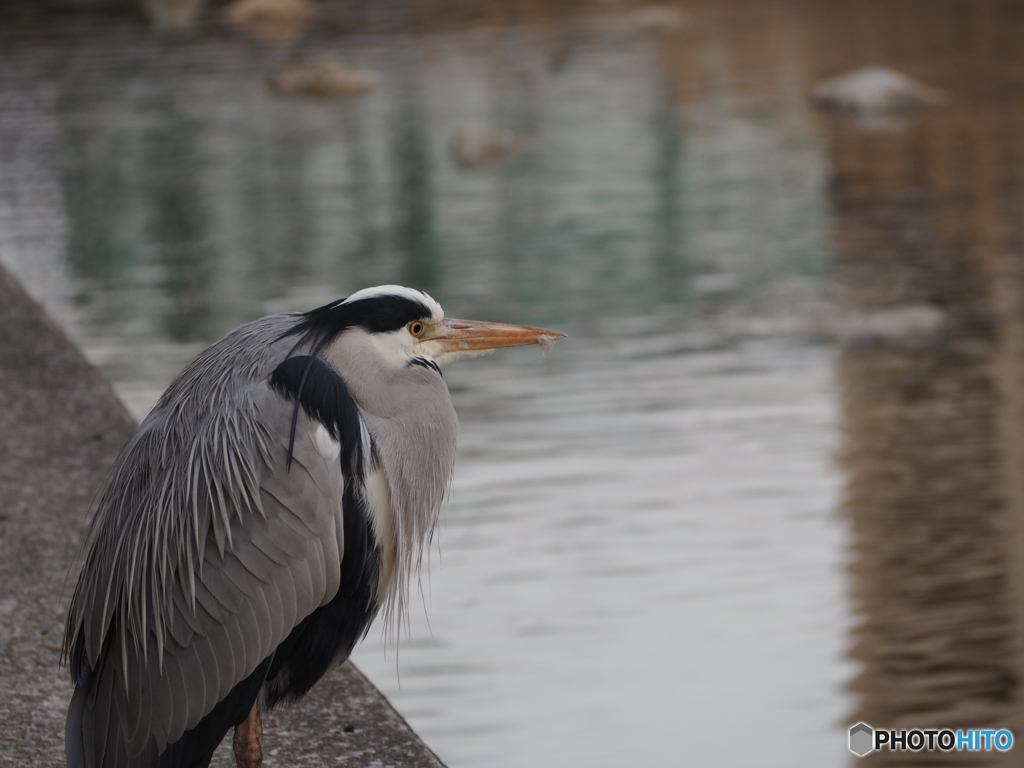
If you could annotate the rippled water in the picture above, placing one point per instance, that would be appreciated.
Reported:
(641, 547)
(642, 550)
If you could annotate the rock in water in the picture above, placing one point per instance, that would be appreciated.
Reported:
(173, 14)
(657, 19)
(472, 148)
(876, 92)
(325, 78)
(271, 20)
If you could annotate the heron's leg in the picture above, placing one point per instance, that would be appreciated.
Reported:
(248, 741)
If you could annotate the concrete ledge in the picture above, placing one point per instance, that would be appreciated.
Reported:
(60, 429)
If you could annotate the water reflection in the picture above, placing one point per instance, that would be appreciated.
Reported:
(415, 230)
(642, 530)
(198, 200)
(668, 153)
(930, 411)
(176, 223)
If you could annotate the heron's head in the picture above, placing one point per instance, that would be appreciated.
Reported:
(405, 325)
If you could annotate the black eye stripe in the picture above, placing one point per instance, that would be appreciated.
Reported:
(376, 314)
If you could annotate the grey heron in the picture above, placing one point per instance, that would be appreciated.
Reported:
(277, 497)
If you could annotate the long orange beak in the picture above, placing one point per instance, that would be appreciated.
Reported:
(457, 335)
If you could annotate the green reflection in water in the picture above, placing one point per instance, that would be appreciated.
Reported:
(177, 225)
(415, 235)
(368, 245)
(197, 200)
(669, 258)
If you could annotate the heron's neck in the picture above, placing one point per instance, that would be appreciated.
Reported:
(409, 415)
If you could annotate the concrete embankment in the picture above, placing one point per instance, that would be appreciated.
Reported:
(61, 427)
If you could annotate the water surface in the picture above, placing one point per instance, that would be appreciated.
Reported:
(642, 542)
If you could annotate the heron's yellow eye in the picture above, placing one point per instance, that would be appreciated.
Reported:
(416, 328)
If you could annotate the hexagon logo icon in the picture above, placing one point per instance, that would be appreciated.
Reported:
(861, 739)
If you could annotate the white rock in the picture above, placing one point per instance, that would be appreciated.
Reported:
(908, 322)
(876, 92)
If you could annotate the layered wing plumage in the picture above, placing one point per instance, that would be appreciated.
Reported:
(221, 529)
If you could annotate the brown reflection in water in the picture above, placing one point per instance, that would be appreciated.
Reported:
(927, 246)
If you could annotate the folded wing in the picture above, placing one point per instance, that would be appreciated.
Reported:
(227, 562)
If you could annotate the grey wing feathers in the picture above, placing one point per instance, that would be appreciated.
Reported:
(231, 559)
